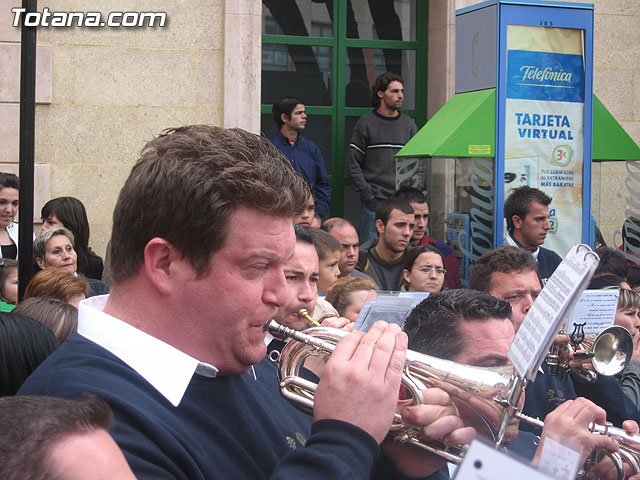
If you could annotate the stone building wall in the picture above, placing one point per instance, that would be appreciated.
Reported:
(104, 92)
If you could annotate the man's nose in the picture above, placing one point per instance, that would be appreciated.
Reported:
(528, 303)
(276, 291)
(306, 293)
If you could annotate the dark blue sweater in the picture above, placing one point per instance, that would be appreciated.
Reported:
(306, 159)
(226, 427)
(548, 261)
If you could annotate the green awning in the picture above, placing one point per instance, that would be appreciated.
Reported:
(466, 127)
(610, 140)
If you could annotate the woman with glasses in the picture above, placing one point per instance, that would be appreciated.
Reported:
(424, 270)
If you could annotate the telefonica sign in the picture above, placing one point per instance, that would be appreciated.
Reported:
(545, 76)
(531, 72)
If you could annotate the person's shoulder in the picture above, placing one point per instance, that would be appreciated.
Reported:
(78, 365)
(277, 138)
(550, 254)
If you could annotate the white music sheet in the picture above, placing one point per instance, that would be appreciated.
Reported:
(548, 312)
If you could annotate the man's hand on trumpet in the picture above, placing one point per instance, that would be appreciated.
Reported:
(605, 469)
(569, 424)
(360, 385)
(437, 419)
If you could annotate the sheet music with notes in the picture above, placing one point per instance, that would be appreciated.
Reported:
(544, 319)
(595, 311)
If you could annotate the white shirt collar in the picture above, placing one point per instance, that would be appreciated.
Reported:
(166, 368)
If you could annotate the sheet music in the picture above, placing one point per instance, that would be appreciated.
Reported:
(393, 307)
(548, 312)
(596, 309)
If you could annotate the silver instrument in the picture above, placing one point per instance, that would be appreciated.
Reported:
(493, 393)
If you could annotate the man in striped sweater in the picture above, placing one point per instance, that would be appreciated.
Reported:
(377, 137)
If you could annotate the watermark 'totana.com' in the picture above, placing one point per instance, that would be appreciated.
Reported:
(47, 18)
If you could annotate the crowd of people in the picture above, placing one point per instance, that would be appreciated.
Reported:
(170, 372)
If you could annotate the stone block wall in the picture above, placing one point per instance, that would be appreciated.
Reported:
(104, 92)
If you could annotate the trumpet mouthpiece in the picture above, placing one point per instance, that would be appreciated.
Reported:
(304, 313)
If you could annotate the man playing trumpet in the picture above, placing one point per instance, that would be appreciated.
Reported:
(511, 274)
(474, 328)
(177, 349)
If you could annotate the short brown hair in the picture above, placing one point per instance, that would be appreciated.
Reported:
(186, 186)
(56, 283)
(324, 242)
(504, 259)
(339, 295)
(31, 425)
(519, 200)
(60, 317)
(380, 85)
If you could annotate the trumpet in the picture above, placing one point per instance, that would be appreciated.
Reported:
(629, 444)
(493, 388)
(493, 392)
(610, 352)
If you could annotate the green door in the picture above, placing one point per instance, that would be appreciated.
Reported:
(329, 52)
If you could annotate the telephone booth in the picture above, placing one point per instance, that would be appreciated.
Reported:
(523, 113)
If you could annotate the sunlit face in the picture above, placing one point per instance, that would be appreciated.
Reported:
(50, 222)
(427, 273)
(531, 231)
(10, 287)
(421, 214)
(348, 238)
(59, 253)
(8, 205)
(302, 272)
(393, 96)
(306, 217)
(395, 235)
(329, 270)
(357, 300)
(89, 455)
(520, 289)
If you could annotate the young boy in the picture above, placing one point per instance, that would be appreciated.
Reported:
(328, 249)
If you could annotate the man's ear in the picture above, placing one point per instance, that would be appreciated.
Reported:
(284, 118)
(163, 264)
(380, 93)
(517, 222)
(379, 227)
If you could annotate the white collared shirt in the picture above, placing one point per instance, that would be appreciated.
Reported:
(166, 368)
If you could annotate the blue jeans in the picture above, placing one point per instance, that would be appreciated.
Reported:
(367, 228)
